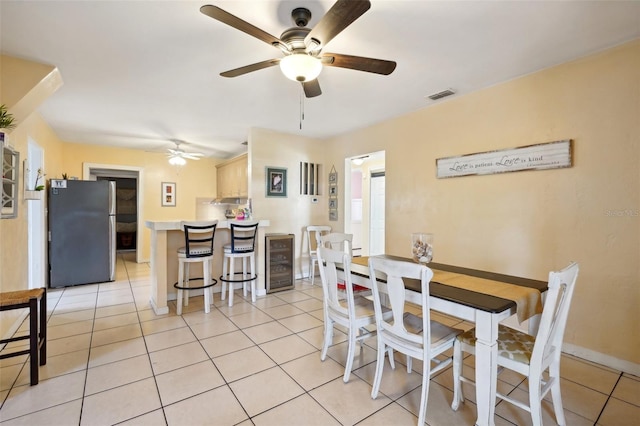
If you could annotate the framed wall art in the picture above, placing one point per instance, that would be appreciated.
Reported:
(168, 194)
(333, 194)
(276, 181)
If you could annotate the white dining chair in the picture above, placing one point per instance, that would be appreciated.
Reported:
(314, 233)
(338, 241)
(417, 337)
(529, 355)
(341, 307)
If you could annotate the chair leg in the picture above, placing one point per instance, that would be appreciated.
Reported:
(392, 362)
(211, 277)
(379, 367)
(312, 270)
(206, 269)
(328, 337)
(43, 328)
(244, 277)
(426, 373)
(252, 272)
(186, 283)
(350, 354)
(458, 397)
(232, 273)
(534, 400)
(33, 340)
(409, 364)
(225, 275)
(556, 396)
(180, 284)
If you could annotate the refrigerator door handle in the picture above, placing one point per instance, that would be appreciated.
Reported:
(112, 248)
(112, 197)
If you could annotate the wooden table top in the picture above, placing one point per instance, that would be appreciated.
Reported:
(473, 299)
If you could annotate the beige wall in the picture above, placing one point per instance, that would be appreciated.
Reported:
(13, 232)
(529, 223)
(290, 215)
(24, 85)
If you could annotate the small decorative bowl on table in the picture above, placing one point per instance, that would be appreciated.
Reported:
(422, 247)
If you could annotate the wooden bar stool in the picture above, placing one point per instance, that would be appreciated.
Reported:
(198, 238)
(37, 340)
(243, 244)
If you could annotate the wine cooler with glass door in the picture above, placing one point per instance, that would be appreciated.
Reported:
(279, 262)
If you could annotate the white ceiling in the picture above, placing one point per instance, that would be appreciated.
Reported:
(140, 73)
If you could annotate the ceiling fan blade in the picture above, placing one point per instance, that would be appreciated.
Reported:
(250, 68)
(237, 23)
(340, 16)
(359, 63)
(192, 156)
(312, 88)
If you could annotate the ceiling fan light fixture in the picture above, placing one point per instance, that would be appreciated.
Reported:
(177, 161)
(301, 67)
(359, 160)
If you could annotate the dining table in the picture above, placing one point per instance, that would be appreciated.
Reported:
(479, 305)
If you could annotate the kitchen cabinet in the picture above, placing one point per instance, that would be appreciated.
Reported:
(232, 177)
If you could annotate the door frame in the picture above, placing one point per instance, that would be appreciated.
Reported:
(91, 170)
(36, 226)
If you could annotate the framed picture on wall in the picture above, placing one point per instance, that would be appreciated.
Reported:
(276, 181)
(168, 194)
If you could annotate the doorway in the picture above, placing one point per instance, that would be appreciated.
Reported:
(126, 212)
(134, 176)
(364, 203)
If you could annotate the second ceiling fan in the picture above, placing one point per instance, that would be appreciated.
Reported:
(302, 46)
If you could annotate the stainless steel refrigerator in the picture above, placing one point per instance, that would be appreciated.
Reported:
(82, 237)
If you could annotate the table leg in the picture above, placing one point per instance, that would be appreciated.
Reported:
(486, 366)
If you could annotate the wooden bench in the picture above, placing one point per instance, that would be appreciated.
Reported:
(37, 351)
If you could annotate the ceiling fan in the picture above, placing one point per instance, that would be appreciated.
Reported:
(302, 47)
(179, 157)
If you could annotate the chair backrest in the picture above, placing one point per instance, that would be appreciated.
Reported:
(396, 271)
(554, 315)
(198, 237)
(243, 236)
(327, 261)
(314, 233)
(338, 241)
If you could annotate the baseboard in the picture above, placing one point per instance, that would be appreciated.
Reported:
(602, 359)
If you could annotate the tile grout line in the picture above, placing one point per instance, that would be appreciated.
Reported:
(604, 406)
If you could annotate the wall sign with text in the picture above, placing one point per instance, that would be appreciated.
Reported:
(551, 155)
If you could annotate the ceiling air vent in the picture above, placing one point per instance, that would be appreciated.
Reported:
(442, 94)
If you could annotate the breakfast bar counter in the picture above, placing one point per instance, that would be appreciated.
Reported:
(167, 237)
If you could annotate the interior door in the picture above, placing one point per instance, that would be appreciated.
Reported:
(377, 214)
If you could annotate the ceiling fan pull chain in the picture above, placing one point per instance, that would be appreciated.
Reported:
(301, 105)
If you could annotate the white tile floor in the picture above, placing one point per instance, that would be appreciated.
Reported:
(111, 360)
